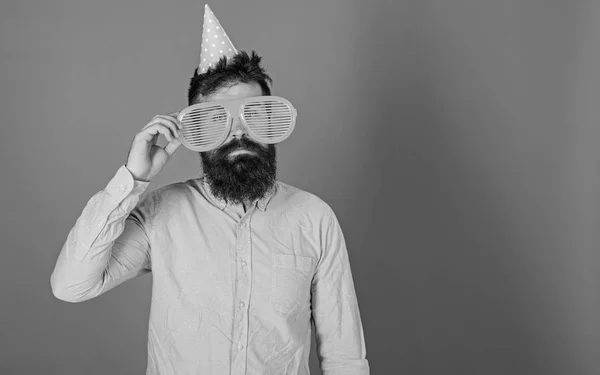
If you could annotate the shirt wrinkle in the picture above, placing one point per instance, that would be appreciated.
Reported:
(233, 292)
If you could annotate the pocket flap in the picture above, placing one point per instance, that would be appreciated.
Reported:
(299, 262)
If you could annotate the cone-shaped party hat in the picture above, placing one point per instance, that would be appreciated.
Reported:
(215, 42)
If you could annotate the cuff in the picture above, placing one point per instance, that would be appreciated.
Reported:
(123, 184)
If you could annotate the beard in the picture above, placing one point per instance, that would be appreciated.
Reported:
(244, 177)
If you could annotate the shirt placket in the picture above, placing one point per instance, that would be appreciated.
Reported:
(242, 296)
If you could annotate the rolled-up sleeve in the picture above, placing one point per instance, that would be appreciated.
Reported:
(339, 332)
(108, 243)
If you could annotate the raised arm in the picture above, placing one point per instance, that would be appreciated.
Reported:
(108, 244)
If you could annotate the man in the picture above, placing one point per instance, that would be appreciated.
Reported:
(242, 263)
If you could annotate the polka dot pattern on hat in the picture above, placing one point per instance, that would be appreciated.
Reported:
(215, 42)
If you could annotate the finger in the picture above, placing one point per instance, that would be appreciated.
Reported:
(172, 146)
(172, 117)
(164, 122)
(154, 139)
(167, 121)
(176, 124)
(150, 132)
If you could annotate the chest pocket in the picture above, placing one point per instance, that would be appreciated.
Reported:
(291, 277)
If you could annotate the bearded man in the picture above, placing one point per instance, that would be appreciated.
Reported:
(242, 263)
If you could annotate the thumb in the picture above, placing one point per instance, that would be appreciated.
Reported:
(172, 146)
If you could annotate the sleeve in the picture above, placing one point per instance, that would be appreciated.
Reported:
(339, 332)
(108, 243)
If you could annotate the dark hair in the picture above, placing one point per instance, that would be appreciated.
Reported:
(240, 68)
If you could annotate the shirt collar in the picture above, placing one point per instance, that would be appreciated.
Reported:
(222, 204)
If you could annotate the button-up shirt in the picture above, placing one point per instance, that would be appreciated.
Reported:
(234, 290)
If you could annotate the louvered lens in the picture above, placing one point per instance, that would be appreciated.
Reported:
(269, 120)
(204, 128)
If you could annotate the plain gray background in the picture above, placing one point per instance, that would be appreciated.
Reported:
(455, 139)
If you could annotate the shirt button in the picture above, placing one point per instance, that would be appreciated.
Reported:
(99, 222)
(123, 188)
(240, 346)
(244, 263)
(242, 304)
(244, 225)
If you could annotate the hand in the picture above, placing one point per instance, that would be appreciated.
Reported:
(145, 158)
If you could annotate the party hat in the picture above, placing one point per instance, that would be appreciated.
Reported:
(215, 42)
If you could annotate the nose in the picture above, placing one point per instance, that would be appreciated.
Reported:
(237, 128)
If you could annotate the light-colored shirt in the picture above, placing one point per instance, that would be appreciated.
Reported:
(234, 291)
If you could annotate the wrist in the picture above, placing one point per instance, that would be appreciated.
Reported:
(135, 176)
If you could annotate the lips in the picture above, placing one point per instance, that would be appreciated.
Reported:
(240, 151)
(238, 147)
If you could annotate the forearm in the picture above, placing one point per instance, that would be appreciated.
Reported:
(339, 331)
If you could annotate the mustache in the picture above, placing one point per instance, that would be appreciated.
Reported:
(240, 143)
